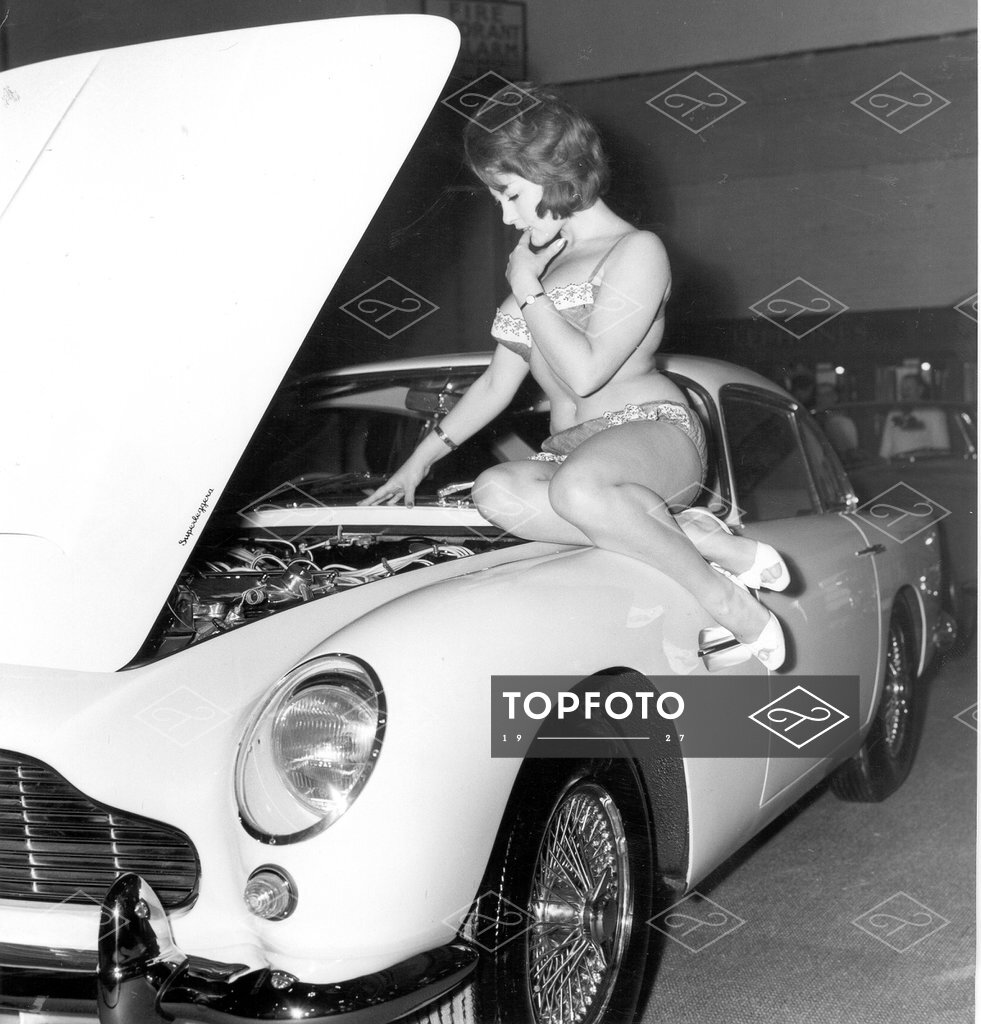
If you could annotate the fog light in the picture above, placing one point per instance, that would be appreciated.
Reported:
(270, 893)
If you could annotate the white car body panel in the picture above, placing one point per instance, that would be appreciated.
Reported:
(423, 875)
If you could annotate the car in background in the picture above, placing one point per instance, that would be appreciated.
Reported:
(926, 453)
(246, 726)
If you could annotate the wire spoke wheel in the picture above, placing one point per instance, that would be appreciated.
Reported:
(566, 890)
(580, 904)
(888, 751)
(896, 695)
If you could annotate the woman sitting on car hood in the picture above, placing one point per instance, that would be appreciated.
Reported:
(585, 315)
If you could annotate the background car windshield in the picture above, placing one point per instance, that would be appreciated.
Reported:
(864, 433)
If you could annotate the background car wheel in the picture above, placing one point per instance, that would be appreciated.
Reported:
(886, 756)
(562, 919)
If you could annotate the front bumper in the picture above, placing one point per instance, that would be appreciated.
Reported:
(141, 977)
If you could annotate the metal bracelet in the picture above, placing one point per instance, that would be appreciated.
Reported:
(438, 431)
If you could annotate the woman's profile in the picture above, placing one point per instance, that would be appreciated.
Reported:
(585, 315)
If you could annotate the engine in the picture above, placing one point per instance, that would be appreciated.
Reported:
(222, 590)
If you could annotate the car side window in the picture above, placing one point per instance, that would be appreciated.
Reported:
(829, 478)
(770, 473)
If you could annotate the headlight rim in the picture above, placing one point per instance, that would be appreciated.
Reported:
(319, 670)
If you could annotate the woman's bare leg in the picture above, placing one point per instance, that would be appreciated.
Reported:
(608, 493)
(737, 554)
(514, 496)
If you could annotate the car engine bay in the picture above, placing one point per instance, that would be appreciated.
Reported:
(255, 572)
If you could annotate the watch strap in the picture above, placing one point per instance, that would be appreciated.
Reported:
(529, 299)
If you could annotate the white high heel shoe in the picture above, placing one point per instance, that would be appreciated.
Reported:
(769, 648)
(766, 558)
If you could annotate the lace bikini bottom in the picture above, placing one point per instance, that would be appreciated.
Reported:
(557, 447)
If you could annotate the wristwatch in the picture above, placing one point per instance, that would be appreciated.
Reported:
(529, 299)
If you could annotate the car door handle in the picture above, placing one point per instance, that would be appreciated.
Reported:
(875, 549)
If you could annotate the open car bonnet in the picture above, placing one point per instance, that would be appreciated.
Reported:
(172, 217)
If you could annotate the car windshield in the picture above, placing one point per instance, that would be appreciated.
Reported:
(899, 430)
(337, 439)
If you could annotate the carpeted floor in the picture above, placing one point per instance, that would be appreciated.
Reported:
(902, 868)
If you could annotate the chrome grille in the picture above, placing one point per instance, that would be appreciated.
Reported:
(58, 846)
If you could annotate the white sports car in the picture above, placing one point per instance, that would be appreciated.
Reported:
(246, 743)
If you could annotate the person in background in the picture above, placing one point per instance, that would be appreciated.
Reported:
(802, 388)
(839, 427)
(913, 427)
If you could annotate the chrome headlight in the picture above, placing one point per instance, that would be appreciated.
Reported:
(309, 749)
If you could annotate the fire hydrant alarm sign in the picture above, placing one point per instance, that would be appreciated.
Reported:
(492, 35)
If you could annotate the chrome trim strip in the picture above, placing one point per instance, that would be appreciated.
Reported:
(42, 958)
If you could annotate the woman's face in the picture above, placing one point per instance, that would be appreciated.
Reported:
(519, 199)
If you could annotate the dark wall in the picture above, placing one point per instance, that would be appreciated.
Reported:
(799, 181)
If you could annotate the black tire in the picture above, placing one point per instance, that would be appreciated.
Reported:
(960, 595)
(886, 757)
(571, 823)
(964, 608)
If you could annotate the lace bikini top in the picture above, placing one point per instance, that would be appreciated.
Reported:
(573, 301)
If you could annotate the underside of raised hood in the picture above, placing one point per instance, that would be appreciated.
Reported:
(172, 217)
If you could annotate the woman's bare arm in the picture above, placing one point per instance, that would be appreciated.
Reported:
(488, 396)
(635, 282)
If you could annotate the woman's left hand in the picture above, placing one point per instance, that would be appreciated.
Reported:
(525, 267)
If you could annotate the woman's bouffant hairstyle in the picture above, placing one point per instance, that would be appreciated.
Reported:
(549, 143)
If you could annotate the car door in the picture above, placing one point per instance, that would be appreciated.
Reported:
(791, 493)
